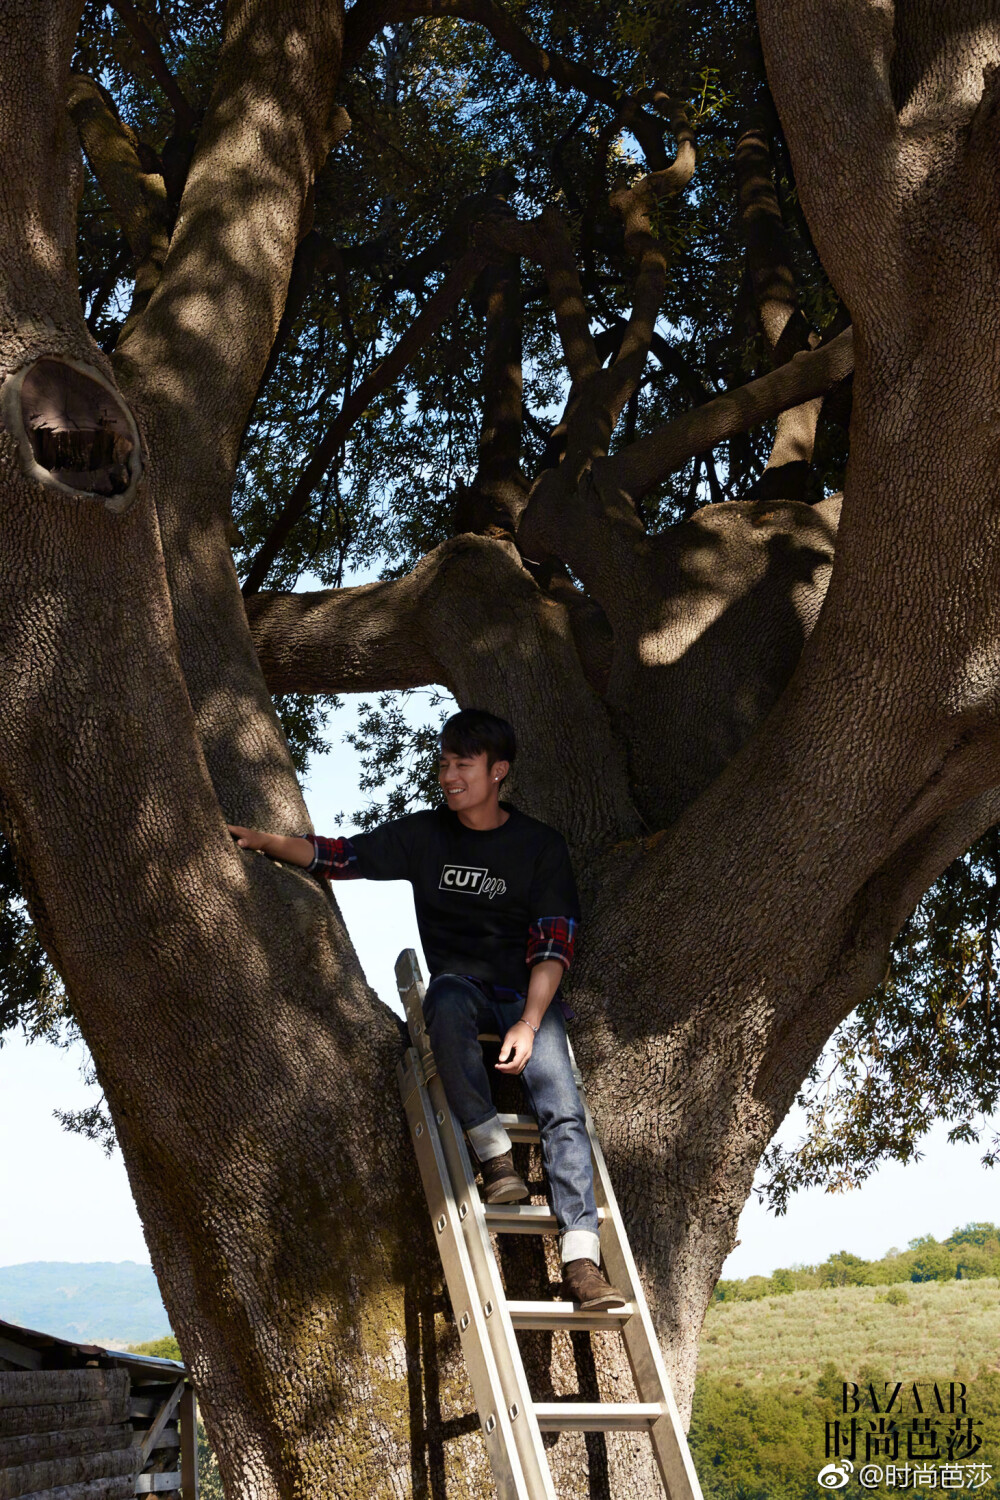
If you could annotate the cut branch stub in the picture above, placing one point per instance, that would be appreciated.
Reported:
(73, 431)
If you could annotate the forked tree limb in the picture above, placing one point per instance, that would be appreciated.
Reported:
(470, 617)
(636, 469)
(430, 318)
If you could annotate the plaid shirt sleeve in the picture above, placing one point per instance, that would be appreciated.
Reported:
(333, 859)
(551, 937)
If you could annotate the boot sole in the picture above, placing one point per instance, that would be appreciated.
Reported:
(508, 1190)
(601, 1304)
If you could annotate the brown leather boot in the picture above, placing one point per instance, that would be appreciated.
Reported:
(501, 1184)
(584, 1284)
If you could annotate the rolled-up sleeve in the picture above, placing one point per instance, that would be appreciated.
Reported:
(551, 937)
(333, 859)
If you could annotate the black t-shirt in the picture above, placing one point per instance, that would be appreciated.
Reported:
(476, 891)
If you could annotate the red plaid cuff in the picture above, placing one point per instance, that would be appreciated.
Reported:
(334, 859)
(551, 937)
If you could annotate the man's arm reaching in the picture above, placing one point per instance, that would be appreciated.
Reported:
(334, 859)
(290, 851)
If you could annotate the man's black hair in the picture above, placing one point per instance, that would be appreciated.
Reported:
(473, 730)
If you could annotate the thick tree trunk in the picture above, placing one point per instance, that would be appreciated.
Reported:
(246, 1063)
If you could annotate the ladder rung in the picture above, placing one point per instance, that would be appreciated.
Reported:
(552, 1315)
(520, 1127)
(524, 1218)
(565, 1416)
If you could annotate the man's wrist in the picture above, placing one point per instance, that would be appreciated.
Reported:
(535, 1029)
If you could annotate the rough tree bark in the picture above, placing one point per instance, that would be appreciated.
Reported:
(763, 763)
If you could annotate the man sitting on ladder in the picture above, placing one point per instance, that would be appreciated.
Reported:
(497, 910)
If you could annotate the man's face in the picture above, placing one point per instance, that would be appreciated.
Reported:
(467, 781)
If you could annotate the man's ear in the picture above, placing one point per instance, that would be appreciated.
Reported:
(500, 769)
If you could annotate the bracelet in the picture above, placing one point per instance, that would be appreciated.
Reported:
(535, 1029)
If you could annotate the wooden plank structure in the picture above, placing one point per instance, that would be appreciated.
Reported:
(81, 1422)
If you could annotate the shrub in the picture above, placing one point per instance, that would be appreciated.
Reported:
(895, 1295)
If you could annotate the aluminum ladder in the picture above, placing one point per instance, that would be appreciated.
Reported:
(511, 1422)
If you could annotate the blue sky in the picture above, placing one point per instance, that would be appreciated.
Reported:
(62, 1199)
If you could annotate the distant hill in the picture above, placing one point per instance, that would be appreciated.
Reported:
(771, 1371)
(101, 1302)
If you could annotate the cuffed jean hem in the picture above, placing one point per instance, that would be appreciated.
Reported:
(580, 1244)
(488, 1139)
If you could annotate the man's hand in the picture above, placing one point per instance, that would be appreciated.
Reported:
(516, 1048)
(290, 851)
(249, 838)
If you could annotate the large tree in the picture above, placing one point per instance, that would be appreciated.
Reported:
(765, 725)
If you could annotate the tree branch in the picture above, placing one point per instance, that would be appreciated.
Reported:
(317, 254)
(138, 199)
(769, 262)
(363, 22)
(154, 59)
(829, 71)
(354, 640)
(785, 329)
(546, 241)
(601, 403)
(545, 66)
(204, 339)
(492, 504)
(455, 284)
(637, 469)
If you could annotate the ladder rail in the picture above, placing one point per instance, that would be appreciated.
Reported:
(487, 1387)
(670, 1447)
(499, 1329)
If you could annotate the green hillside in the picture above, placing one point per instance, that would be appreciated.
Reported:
(942, 1328)
(771, 1369)
(101, 1302)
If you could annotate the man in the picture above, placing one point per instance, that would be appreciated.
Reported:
(497, 911)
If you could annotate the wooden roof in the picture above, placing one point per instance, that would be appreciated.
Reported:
(31, 1350)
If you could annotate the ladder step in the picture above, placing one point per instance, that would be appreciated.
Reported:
(524, 1218)
(565, 1416)
(551, 1315)
(520, 1128)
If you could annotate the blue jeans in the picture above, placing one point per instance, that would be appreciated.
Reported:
(456, 1011)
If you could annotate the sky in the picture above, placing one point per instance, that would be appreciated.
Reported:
(62, 1199)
